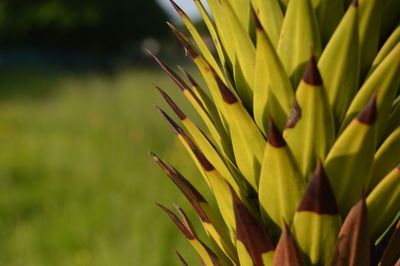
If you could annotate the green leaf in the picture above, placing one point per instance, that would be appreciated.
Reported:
(242, 11)
(208, 74)
(348, 164)
(309, 131)
(273, 93)
(317, 220)
(205, 253)
(224, 31)
(383, 203)
(339, 64)
(206, 102)
(271, 18)
(388, 46)
(214, 179)
(245, 55)
(385, 159)
(215, 126)
(281, 183)
(247, 140)
(385, 82)
(197, 37)
(234, 179)
(211, 29)
(370, 18)
(209, 219)
(299, 35)
(328, 13)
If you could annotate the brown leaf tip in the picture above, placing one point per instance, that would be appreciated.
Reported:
(188, 77)
(188, 234)
(205, 163)
(188, 47)
(312, 75)
(319, 197)
(257, 21)
(294, 115)
(227, 94)
(188, 190)
(368, 114)
(182, 85)
(250, 232)
(287, 251)
(177, 129)
(172, 104)
(354, 3)
(185, 220)
(177, 8)
(275, 136)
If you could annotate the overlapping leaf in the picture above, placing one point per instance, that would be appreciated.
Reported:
(342, 118)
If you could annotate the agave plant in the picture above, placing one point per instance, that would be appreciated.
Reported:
(301, 137)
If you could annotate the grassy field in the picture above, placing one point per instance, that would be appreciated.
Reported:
(77, 186)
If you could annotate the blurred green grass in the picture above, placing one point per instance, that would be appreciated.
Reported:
(77, 186)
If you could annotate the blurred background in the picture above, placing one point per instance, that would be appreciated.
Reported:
(77, 186)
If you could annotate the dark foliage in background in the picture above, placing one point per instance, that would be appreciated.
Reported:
(95, 25)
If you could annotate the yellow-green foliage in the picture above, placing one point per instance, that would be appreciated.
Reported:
(301, 138)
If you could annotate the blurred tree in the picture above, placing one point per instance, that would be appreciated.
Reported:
(98, 25)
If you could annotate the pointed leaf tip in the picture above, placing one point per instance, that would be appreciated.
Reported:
(189, 49)
(176, 221)
(205, 163)
(188, 76)
(177, 129)
(227, 94)
(275, 136)
(178, 81)
(177, 8)
(319, 197)
(353, 247)
(287, 252)
(188, 190)
(172, 104)
(312, 75)
(185, 220)
(368, 114)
